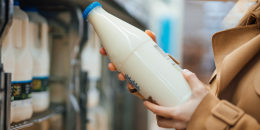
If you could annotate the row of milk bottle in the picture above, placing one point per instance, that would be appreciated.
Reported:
(25, 55)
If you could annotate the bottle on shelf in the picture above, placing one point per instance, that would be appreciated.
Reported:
(41, 59)
(136, 55)
(8, 58)
(21, 105)
(91, 63)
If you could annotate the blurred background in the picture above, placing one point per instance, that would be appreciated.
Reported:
(84, 94)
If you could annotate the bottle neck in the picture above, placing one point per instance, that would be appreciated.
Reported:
(97, 10)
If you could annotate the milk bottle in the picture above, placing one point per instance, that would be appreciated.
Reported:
(22, 77)
(91, 63)
(8, 57)
(41, 59)
(134, 53)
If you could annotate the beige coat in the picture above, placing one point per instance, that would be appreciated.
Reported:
(234, 101)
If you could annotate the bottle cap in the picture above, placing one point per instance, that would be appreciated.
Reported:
(90, 8)
(16, 2)
(30, 9)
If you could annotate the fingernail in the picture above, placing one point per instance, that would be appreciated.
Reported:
(186, 71)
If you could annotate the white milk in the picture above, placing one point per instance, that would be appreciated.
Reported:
(91, 63)
(22, 76)
(8, 57)
(142, 61)
(91, 59)
(41, 60)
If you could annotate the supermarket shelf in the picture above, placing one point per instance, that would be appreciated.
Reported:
(39, 117)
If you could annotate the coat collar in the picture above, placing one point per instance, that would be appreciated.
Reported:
(233, 49)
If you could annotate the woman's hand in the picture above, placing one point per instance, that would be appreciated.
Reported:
(120, 75)
(178, 117)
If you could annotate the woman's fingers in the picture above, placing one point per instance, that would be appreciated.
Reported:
(191, 78)
(102, 51)
(163, 122)
(111, 67)
(170, 123)
(166, 112)
(151, 34)
(134, 91)
(130, 86)
(121, 76)
(197, 87)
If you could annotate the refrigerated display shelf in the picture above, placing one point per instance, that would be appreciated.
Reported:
(39, 117)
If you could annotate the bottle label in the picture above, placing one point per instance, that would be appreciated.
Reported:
(40, 84)
(167, 57)
(160, 50)
(128, 78)
(21, 90)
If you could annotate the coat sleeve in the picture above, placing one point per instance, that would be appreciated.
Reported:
(215, 114)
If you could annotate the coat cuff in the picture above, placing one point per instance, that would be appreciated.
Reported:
(213, 114)
(202, 112)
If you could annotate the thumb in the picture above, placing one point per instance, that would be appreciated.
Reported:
(191, 78)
